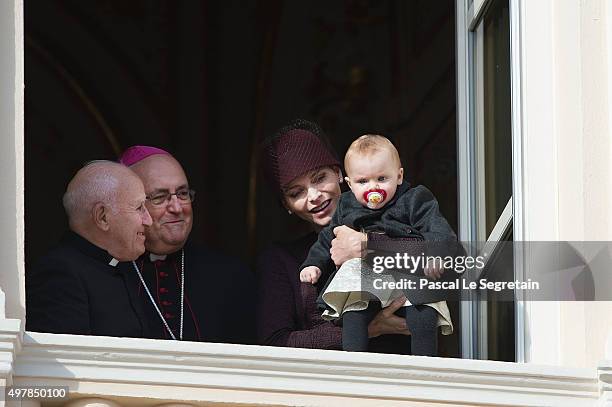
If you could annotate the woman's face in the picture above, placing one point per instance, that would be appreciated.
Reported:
(314, 196)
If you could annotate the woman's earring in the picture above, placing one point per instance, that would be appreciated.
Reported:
(340, 180)
(289, 212)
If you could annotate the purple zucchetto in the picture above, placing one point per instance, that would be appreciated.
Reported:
(293, 151)
(136, 154)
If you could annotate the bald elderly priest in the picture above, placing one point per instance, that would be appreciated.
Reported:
(81, 287)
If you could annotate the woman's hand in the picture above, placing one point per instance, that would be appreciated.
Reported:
(346, 245)
(386, 322)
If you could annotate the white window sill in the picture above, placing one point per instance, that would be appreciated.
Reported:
(150, 371)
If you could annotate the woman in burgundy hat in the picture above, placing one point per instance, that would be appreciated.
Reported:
(302, 168)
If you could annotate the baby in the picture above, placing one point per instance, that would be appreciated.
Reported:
(380, 201)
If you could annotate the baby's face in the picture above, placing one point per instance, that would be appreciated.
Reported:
(374, 176)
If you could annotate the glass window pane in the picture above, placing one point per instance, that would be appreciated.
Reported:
(493, 174)
(500, 309)
(496, 111)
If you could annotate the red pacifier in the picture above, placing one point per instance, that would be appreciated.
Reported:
(374, 197)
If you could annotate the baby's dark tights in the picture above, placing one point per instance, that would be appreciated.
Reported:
(422, 321)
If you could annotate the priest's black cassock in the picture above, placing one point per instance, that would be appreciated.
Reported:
(78, 288)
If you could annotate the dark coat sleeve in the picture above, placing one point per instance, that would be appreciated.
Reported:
(56, 299)
(425, 215)
(285, 317)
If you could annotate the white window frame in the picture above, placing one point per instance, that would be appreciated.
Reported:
(13, 157)
(468, 18)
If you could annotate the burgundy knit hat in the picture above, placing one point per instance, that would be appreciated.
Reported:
(293, 151)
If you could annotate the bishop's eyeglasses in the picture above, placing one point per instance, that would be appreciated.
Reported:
(184, 196)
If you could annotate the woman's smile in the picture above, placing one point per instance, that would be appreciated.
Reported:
(321, 207)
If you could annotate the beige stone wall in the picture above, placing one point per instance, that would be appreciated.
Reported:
(567, 154)
(11, 157)
(582, 82)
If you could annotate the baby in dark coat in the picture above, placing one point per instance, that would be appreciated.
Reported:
(379, 200)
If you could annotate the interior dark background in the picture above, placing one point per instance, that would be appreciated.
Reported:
(208, 80)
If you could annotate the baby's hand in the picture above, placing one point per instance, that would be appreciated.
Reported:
(310, 274)
(433, 269)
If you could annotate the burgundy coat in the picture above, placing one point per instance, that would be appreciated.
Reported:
(287, 314)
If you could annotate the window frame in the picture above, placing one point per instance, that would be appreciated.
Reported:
(465, 17)
(468, 20)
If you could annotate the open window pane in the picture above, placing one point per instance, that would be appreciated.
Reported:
(500, 326)
(495, 310)
(494, 316)
(497, 135)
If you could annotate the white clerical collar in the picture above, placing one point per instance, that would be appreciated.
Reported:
(156, 257)
(113, 262)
